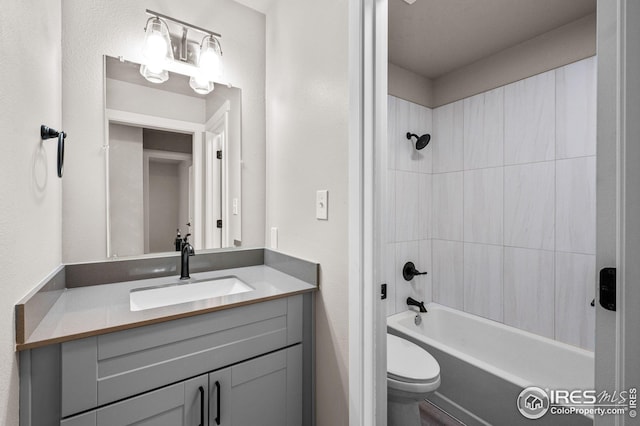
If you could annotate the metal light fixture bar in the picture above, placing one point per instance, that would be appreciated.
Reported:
(184, 24)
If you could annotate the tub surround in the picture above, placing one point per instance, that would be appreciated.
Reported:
(75, 301)
(505, 218)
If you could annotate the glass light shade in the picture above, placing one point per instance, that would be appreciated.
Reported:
(156, 51)
(157, 42)
(201, 85)
(210, 61)
(154, 74)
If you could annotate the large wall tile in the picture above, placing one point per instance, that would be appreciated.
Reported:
(408, 252)
(407, 206)
(413, 118)
(421, 122)
(575, 289)
(400, 145)
(529, 119)
(483, 194)
(484, 130)
(483, 280)
(447, 139)
(447, 211)
(392, 134)
(390, 206)
(576, 109)
(425, 265)
(448, 285)
(529, 205)
(426, 201)
(576, 205)
(529, 290)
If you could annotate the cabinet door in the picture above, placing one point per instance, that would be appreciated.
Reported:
(182, 404)
(263, 391)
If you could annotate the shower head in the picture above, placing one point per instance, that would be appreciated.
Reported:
(421, 141)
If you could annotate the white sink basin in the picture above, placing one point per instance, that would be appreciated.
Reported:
(172, 294)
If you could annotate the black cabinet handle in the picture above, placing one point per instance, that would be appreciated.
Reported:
(201, 389)
(217, 419)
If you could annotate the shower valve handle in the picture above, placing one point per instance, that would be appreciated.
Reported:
(409, 271)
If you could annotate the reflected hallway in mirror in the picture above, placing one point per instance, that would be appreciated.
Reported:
(174, 159)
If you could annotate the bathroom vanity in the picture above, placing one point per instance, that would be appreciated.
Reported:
(241, 359)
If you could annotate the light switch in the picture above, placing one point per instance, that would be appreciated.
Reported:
(235, 206)
(274, 238)
(322, 205)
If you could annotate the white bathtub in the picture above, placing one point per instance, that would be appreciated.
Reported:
(485, 365)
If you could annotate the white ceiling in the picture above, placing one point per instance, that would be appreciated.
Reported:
(259, 5)
(434, 37)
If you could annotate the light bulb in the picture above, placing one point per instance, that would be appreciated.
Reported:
(210, 62)
(156, 42)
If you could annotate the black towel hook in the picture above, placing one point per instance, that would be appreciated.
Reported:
(47, 132)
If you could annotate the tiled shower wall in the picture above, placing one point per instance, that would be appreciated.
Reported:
(500, 206)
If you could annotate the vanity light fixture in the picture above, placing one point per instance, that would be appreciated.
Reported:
(163, 52)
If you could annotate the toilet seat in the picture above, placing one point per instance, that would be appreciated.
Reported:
(409, 367)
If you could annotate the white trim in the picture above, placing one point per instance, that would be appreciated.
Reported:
(367, 140)
(629, 203)
(357, 394)
(152, 122)
(618, 233)
(221, 118)
(211, 123)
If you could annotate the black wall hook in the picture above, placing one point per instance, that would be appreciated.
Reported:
(47, 132)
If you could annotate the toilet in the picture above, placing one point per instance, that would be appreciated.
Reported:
(412, 373)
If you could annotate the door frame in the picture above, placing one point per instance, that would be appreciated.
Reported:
(367, 157)
(618, 196)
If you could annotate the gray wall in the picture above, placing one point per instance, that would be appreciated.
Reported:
(126, 190)
(114, 27)
(30, 220)
(307, 145)
(164, 212)
(562, 46)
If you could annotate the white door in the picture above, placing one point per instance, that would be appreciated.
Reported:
(618, 199)
(212, 191)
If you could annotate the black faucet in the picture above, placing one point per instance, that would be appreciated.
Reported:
(413, 302)
(186, 251)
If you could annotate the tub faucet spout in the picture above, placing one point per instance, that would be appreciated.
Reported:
(413, 302)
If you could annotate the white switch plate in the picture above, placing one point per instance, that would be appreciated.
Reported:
(274, 238)
(235, 206)
(322, 205)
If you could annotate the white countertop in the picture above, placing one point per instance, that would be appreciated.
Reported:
(93, 310)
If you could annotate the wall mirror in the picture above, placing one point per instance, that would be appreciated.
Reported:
(173, 163)
(91, 103)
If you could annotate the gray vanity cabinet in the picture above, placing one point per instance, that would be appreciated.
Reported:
(249, 365)
(263, 391)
